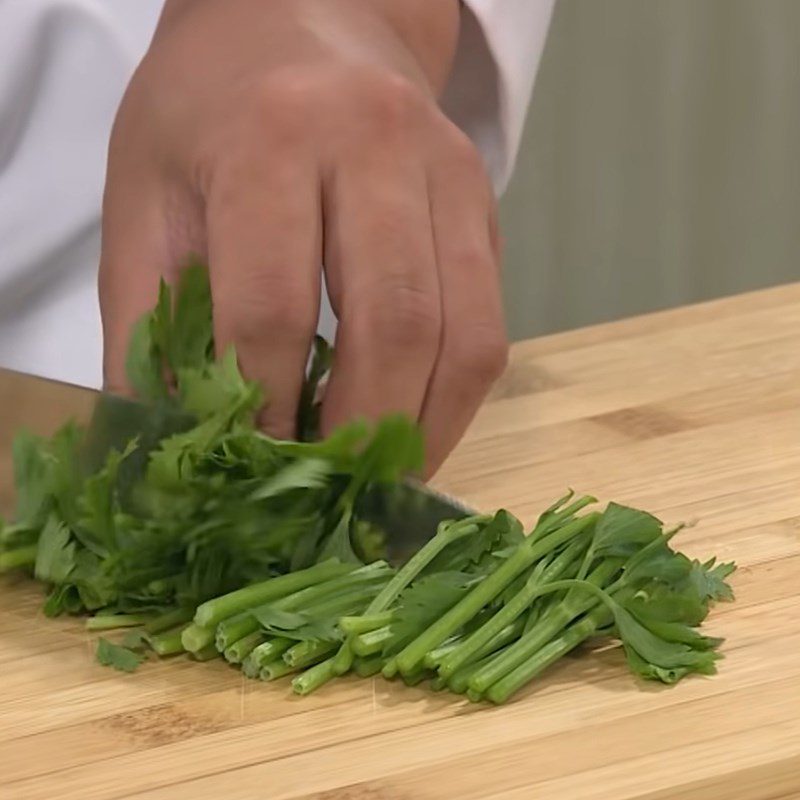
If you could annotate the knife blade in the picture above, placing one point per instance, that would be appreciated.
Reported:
(409, 512)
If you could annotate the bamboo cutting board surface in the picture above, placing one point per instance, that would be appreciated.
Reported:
(693, 414)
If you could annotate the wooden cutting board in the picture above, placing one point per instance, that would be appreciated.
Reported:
(693, 414)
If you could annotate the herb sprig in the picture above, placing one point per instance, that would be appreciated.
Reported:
(204, 536)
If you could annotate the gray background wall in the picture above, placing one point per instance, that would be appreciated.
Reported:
(661, 160)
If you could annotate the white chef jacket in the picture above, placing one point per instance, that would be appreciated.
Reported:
(64, 65)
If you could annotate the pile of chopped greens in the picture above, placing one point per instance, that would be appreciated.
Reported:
(203, 535)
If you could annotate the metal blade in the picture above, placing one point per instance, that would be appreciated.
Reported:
(409, 513)
(41, 406)
(38, 406)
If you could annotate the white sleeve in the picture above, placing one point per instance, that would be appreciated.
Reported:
(64, 65)
(499, 51)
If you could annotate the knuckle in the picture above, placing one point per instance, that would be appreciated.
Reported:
(274, 110)
(481, 353)
(387, 227)
(473, 260)
(464, 152)
(262, 118)
(392, 102)
(283, 90)
(264, 306)
(464, 156)
(404, 318)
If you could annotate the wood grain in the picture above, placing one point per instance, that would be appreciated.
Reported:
(693, 414)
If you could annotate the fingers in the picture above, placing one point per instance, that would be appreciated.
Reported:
(264, 242)
(381, 273)
(474, 347)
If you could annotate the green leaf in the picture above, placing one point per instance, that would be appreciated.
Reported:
(709, 579)
(176, 335)
(55, 557)
(218, 389)
(503, 532)
(93, 581)
(136, 639)
(339, 544)
(64, 479)
(651, 672)
(116, 656)
(552, 510)
(308, 473)
(658, 561)
(61, 599)
(425, 601)
(673, 631)
(172, 464)
(669, 604)
(305, 550)
(143, 364)
(299, 625)
(660, 652)
(191, 342)
(396, 448)
(31, 471)
(623, 531)
(318, 617)
(161, 323)
(13, 536)
(494, 540)
(98, 505)
(270, 617)
(343, 447)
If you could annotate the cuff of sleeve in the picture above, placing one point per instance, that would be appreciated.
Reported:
(498, 55)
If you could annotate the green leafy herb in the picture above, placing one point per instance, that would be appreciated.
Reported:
(206, 536)
(117, 656)
(424, 602)
(210, 505)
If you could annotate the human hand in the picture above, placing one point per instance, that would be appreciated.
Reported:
(272, 137)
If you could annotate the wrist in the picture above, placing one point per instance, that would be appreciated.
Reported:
(430, 32)
(418, 36)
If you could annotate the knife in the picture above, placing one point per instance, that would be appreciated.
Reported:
(408, 512)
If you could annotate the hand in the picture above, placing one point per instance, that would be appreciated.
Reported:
(272, 136)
